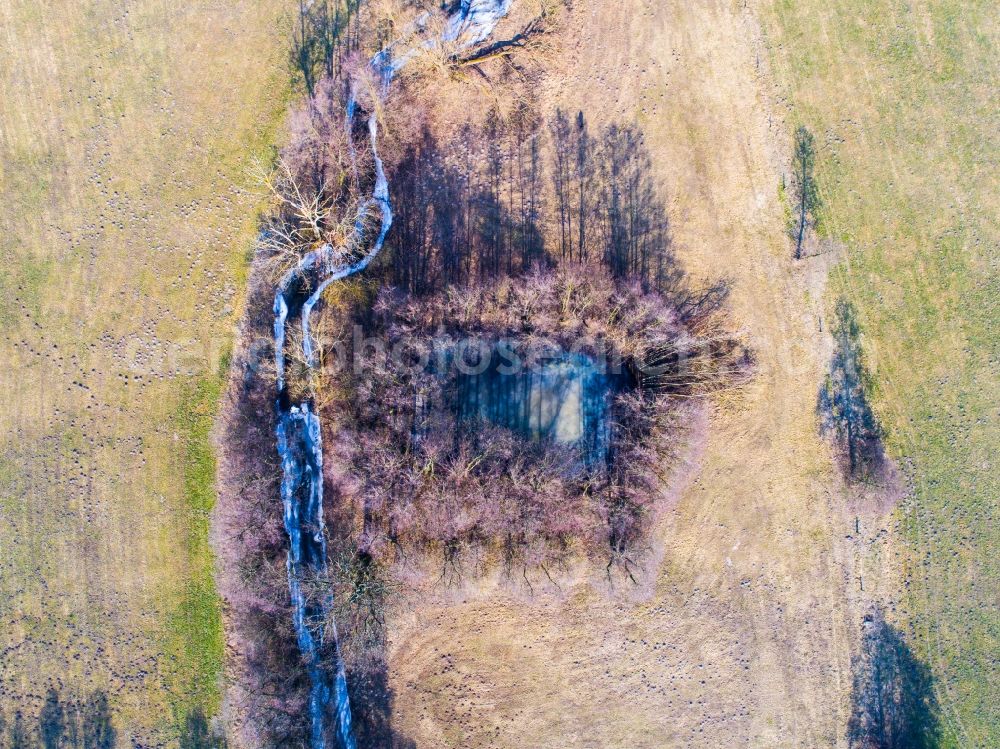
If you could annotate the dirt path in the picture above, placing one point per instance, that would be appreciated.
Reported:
(745, 640)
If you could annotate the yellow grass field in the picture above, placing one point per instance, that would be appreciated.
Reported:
(126, 218)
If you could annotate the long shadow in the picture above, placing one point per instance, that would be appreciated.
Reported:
(373, 699)
(474, 208)
(360, 591)
(322, 35)
(70, 721)
(893, 702)
(63, 722)
(845, 414)
(197, 734)
(456, 221)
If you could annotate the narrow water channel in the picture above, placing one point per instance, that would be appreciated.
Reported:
(298, 432)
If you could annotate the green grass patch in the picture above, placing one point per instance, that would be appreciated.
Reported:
(21, 283)
(904, 97)
(195, 625)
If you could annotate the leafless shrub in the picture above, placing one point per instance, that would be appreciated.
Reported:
(312, 184)
(429, 482)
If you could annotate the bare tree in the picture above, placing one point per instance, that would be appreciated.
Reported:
(529, 36)
(561, 134)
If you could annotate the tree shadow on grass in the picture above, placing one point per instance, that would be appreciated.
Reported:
(893, 702)
(372, 698)
(63, 722)
(197, 733)
(845, 413)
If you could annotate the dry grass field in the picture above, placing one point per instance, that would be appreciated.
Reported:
(124, 226)
(745, 635)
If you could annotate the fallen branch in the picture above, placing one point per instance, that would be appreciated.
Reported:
(504, 47)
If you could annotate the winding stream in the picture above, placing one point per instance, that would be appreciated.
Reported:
(298, 433)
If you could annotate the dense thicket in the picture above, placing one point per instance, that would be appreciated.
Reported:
(425, 481)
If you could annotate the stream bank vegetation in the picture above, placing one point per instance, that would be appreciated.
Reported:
(515, 228)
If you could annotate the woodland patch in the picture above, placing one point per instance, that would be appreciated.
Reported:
(428, 476)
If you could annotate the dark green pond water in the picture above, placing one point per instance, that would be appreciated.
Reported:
(566, 399)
